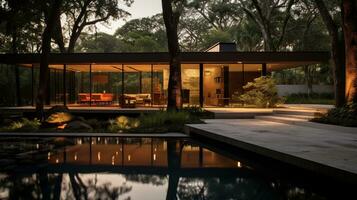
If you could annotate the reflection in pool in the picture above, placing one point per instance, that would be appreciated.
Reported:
(130, 168)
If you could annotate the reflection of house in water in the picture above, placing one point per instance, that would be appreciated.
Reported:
(136, 152)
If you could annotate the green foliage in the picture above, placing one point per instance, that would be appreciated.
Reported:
(198, 112)
(23, 125)
(123, 124)
(165, 121)
(314, 98)
(262, 93)
(59, 118)
(345, 116)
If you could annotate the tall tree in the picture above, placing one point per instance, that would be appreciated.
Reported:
(338, 52)
(53, 10)
(350, 31)
(272, 17)
(172, 10)
(83, 14)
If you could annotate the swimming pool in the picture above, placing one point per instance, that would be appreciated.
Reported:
(137, 168)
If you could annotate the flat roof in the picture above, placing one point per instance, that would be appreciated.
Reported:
(286, 58)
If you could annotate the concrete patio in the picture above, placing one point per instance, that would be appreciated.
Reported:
(329, 152)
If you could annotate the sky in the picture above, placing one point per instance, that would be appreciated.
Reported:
(139, 9)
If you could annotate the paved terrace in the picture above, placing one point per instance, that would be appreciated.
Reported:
(331, 152)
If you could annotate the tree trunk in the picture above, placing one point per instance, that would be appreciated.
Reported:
(171, 19)
(14, 50)
(338, 53)
(46, 50)
(308, 79)
(174, 151)
(350, 33)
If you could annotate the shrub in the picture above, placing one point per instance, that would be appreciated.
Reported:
(345, 116)
(59, 118)
(197, 111)
(313, 98)
(262, 93)
(122, 123)
(164, 121)
(24, 124)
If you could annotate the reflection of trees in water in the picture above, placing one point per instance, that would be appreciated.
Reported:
(34, 186)
(91, 189)
(50, 186)
(238, 188)
(147, 179)
(223, 188)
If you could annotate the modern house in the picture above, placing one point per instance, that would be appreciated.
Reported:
(209, 78)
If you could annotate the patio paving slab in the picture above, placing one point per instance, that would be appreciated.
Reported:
(324, 151)
(151, 135)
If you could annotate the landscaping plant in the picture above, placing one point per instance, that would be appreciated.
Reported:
(345, 116)
(262, 93)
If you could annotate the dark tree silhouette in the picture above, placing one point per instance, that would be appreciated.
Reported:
(350, 32)
(54, 11)
(338, 52)
(171, 10)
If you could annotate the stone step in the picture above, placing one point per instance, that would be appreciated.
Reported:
(297, 112)
(282, 119)
(306, 123)
(294, 116)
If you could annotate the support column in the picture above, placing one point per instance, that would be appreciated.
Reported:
(48, 97)
(226, 85)
(140, 82)
(32, 86)
(264, 69)
(122, 86)
(17, 86)
(152, 84)
(90, 85)
(64, 85)
(201, 86)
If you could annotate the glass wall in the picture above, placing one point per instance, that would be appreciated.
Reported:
(78, 85)
(7, 85)
(160, 84)
(223, 83)
(190, 75)
(106, 84)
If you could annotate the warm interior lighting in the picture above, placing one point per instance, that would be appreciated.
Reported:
(239, 164)
(129, 157)
(116, 153)
(57, 160)
(98, 156)
(113, 160)
(154, 156)
(75, 156)
(37, 146)
(49, 156)
(63, 126)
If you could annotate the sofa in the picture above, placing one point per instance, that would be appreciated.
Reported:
(142, 98)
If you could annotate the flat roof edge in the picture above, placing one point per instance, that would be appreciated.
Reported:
(163, 57)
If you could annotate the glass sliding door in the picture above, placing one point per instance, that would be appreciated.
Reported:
(78, 85)
(190, 84)
(55, 89)
(160, 84)
(105, 84)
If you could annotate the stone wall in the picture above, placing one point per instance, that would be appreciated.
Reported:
(284, 90)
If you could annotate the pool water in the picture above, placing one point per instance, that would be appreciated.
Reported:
(134, 168)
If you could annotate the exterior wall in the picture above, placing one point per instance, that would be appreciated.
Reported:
(284, 90)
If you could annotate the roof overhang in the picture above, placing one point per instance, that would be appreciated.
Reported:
(163, 58)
